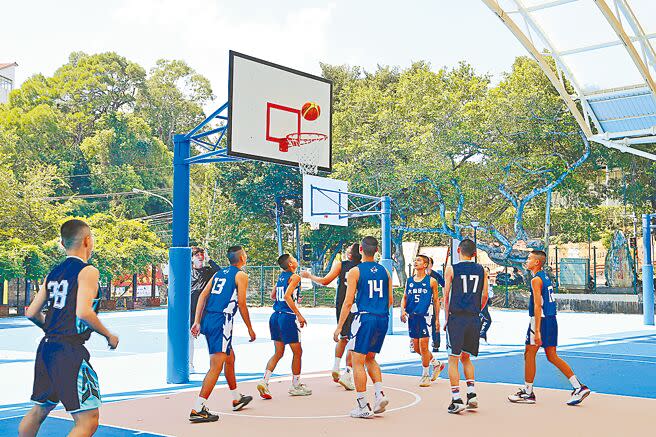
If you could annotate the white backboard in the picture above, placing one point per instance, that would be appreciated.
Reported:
(265, 106)
(323, 201)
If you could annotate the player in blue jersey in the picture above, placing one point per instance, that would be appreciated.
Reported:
(465, 293)
(338, 271)
(369, 296)
(62, 372)
(419, 298)
(543, 332)
(435, 334)
(217, 306)
(285, 325)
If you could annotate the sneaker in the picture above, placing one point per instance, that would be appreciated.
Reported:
(263, 388)
(204, 415)
(381, 404)
(346, 381)
(522, 397)
(362, 413)
(456, 406)
(335, 376)
(241, 403)
(472, 401)
(425, 381)
(437, 366)
(300, 390)
(578, 395)
(435, 350)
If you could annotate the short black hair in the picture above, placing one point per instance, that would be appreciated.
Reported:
(73, 232)
(467, 247)
(233, 254)
(354, 251)
(283, 261)
(195, 250)
(369, 246)
(425, 258)
(541, 255)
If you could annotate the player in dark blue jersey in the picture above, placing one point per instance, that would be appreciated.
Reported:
(62, 372)
(338, 271)
(543, 332)
(217, 306)
(435, 320)
(465, 293)
(285, 325)
(369, 296)
(417, 309)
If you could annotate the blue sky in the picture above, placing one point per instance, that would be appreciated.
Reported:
(296, 33)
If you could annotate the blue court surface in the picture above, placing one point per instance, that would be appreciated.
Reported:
(612, 353)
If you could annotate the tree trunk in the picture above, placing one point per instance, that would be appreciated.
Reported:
(398, 258)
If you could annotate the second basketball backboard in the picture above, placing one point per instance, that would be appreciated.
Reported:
(273, 108)
(325, 200)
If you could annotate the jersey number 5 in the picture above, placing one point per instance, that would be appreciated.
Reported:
(474, 278)
(58, 292)
(377, 287)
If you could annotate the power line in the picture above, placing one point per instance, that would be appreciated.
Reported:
(113, 172)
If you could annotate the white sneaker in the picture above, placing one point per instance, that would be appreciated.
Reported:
(300, 390)
(578, 395)
(425, 381)
(362, 413)
(437, 366)
(346, 381)
(263, 389)
(381, 404)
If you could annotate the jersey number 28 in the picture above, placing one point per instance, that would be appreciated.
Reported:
(58, 292)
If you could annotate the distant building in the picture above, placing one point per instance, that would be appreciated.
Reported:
(7, 79)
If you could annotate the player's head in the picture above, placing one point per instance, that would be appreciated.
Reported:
(467, 249)
(421, 263)
(197, 257)
(369, 246)
(430, 262)
(76, 237)
(536, 259)
(287, 262)
(236, 255)
(353, 253)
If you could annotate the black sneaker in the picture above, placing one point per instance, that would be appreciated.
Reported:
(241, 403)
(522, 397)
(204, 415)
(456, 406)
(472, 401)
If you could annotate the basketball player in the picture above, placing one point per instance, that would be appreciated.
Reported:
(417, 310)
(436, 326)
(339, 270)
(200, 276)
(217, 305)
(285, 325)
(369, 296)
(465, 293)
(543, 332)
(62, 372)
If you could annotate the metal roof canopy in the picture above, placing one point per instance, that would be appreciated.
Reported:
(607, 55)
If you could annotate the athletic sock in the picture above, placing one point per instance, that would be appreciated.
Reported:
(235, 394)
(296, 379)
(576, 384)
(378, 387)
(267, 375)
(528, 387)
(470, 386)
(361, 398)
(424, 371)
(338, 361)
(200, 401)
(455, 392)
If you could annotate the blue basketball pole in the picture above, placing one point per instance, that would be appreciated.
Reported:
(647, 273)
(386, 246)
(177, 367)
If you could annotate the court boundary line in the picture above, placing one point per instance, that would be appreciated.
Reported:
(70, 419)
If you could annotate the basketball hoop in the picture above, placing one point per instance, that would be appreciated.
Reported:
(306, 147)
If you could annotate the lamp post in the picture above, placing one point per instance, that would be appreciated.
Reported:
(137, 190)
(475, 226)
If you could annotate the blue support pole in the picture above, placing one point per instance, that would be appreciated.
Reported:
(386, 247)
(647, 273)
(177, 359)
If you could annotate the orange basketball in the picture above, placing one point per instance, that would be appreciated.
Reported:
(311, 111)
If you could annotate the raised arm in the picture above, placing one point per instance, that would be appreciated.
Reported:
(334, 272)
(352, 281)
(294, 281)
(87, 291)
(241, 279)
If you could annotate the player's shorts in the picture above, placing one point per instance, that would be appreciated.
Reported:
(368, 332)
(419, 325)
(346, 329)
(62, 373)
(548, 332)
(462, 333)
(217, 329)
(284, 327)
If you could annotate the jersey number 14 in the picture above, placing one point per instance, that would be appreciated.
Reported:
(375, 286)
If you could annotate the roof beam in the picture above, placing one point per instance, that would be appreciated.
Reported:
(618, 145)
(638, 31)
